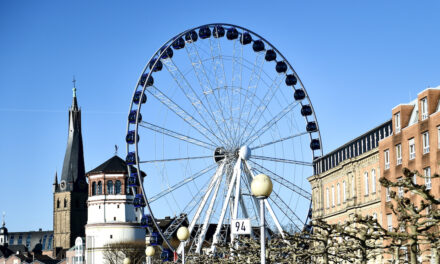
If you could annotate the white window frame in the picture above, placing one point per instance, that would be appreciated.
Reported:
(387, 194)
(412, 148)
(387, 159)
(425, 140)
(366, 183)
(353, 186)
(338, 190)
(424, 108)
(398, 154)
(344, 191)
(373, 181)
(397, 122)
(427, 174)
(390, 222)
(333, 196)
(328, 197)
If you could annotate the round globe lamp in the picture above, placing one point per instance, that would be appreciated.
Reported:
(127, 261)
(183, 235)
(261, 186)
(150, 251)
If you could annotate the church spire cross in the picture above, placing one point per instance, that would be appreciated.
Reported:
(74, 86)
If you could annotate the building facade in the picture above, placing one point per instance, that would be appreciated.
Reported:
(112, 215)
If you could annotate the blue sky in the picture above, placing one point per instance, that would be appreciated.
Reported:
(357, 60)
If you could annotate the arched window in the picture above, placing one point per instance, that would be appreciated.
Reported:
(118, 187)
(99, 188)
(366, 183)
(373, 181)
(58, 203)
(110, 187)
(94, 188)
(65, 202)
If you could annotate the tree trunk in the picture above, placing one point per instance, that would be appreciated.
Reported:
(435, 259)
(413, 251)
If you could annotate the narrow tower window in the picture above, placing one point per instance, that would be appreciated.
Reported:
(118, 187)
(99, 188)
(110, 187)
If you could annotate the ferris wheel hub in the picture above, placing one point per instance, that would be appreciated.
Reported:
(244, 152)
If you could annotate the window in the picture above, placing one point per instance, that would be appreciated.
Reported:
(344, 191)
(333, 196)
(327, 194)
(424, 106)
(425, 142)
(11, 240)
(110, 187)
(99, 188)
(374, 216)
(400, 188)
(387, 158)
(397, 122)
(412, 149)
(373, 181)
(20, 240)
(118, 187)
(338, 190)
(28, 241)
(58, 203)
(49, 244)
(398, 154)
(94, 188)
(427, 174)
(390, 222)
(43, 244)
(388, 197)
(415, 178)
(65, 202)
(366, 183)
(353, 193)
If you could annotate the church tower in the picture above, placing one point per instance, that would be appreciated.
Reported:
(70, 194)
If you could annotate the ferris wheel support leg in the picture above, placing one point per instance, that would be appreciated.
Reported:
(237, 173)
(202, 234)
(203, 203)
(223, 212)
(274, 217)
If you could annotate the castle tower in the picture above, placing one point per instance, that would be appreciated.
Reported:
(112, 216)
(70, 195)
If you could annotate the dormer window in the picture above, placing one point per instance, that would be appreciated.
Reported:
(397, 122)
(424, 106)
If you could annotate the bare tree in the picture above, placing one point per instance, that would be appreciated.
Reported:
(116, 252)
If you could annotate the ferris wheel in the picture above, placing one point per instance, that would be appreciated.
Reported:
(215, 106)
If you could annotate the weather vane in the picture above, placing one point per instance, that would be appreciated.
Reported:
(116, 150)
(3, 221)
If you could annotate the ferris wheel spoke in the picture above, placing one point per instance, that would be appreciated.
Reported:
(285, 209)
(182, 183)
(236, 84)
(274, 218)
(205, 84)
(217, 175)
(296, 162)
(159, 95)
(175, 159)
(293, 187)
(280, 140)
(272, 122)
(259, 111)
(177, 135)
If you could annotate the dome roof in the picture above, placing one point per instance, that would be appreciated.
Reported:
(113, 165)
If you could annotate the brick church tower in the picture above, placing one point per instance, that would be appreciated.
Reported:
(70, 194)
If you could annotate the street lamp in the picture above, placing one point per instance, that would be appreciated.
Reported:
(127, 261)
(183, 235)
(150, 251)
(261, 188)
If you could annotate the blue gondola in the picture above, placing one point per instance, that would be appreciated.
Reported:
(299, 94)
(130, 137)
(291, 80)
(146, 221)
(204, 32)
(137, 96)
(133, 180)
(281, 67)
(245, 38)
(132, 117)
(258, 45)
(311, 126)
(314, 144)
(270, 55)
(139, 201)
(157, 67)
(232, 33)
(218, 31)
(131, 158)
(191, 36)
(144, 78)
(178, 43)
(166, 53)
(306, 110)
(166, 255)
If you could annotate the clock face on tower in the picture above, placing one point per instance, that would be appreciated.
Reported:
(63, 185)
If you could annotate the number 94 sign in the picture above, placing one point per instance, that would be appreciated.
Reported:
(241, 226)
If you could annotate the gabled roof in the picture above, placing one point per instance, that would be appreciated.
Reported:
(114, 165)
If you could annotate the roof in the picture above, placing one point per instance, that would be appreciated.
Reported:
(113, 165)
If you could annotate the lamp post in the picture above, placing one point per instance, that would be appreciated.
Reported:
(183, 235)
(127, 261)
(149, 252)
(261, 188)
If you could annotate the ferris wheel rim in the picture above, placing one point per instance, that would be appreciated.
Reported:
(158, 54)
